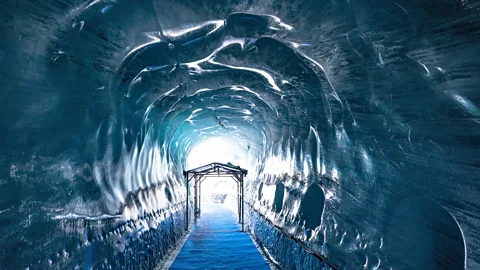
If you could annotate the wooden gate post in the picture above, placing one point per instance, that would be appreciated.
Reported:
(243, 202)
(186, 214)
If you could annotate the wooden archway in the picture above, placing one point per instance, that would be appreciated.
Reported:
(214, 170)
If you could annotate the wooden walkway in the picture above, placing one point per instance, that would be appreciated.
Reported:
(217, 242)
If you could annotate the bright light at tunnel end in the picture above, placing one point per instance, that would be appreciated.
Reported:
(217, 149)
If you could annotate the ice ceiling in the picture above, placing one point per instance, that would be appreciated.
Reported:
(359, 123)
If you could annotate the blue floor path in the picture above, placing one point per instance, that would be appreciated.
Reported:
(217, 242)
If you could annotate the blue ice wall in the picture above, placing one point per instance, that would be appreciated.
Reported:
(279, 247)
(359, 120)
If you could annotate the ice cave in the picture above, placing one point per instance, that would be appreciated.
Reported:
(354, 124)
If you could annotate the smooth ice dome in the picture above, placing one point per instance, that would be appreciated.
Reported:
(358, 122)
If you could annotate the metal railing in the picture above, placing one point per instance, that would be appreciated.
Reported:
(289, 236)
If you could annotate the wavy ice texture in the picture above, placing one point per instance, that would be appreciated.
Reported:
(357, 120)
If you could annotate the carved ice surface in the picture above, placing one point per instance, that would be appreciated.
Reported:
(358, 122)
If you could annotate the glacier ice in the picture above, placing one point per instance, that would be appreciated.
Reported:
(358, 121)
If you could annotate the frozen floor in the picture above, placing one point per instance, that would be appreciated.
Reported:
(217, 242)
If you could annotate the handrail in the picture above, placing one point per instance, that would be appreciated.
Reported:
(299, 242)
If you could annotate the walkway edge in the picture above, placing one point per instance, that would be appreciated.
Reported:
(168, 263)
(265, 256)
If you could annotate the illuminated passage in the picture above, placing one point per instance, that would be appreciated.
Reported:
(217, 242)
(358, 123)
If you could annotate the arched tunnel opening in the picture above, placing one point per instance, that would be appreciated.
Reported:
(358, 123)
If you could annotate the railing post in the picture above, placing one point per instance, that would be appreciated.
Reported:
(199, 197)
(186, 219)
(239, 210)
(243, 198)
(195, 199)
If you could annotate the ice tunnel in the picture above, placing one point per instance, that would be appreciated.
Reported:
(358, 122)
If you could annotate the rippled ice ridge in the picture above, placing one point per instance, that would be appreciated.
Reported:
(358, 121)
